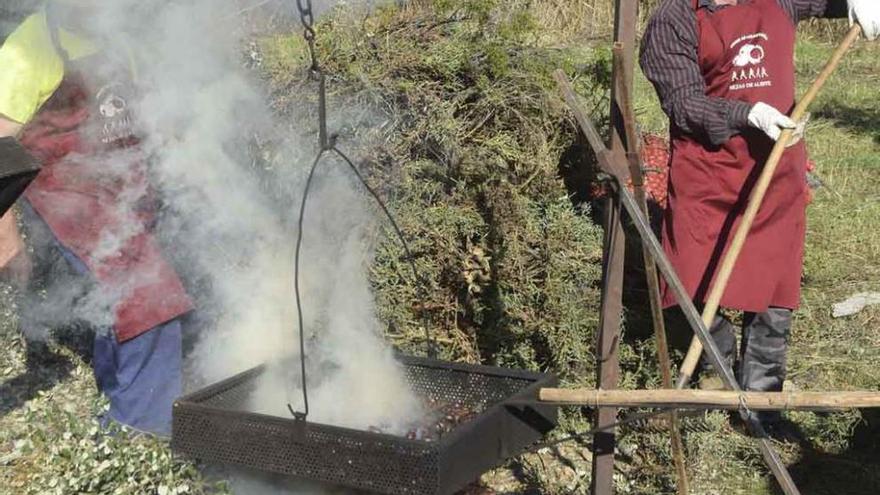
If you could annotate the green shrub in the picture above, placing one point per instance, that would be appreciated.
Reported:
(470, 163)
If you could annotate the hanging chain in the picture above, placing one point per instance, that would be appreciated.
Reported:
(307, 18)
(327, 144)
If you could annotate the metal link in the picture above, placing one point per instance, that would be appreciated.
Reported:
(314, 68)
(307, 18)
(306, 14)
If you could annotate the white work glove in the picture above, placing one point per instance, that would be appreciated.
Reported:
(770, 120)
(867, 14)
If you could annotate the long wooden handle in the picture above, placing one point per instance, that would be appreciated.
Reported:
(703, 399)
(757, 197)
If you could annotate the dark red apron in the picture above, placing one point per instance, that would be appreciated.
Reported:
(94, 196)
(746, 53)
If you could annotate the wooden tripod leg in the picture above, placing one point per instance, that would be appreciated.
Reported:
(626, 17)
(625, 89)
(611, 165)
(604, 442)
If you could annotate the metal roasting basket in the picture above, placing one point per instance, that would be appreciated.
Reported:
(214, 425)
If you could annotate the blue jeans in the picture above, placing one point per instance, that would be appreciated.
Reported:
(141, 377)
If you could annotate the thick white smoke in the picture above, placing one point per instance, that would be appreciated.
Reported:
(198, 108)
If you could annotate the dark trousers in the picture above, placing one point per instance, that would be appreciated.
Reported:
(763, 348)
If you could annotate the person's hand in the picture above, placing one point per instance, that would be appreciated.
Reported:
(770, 120)
(15, 263)
(19, 269)
(800, 132)
(8, 127)
(867, 14)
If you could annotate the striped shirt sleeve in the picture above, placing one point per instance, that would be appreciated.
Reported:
(669, 60)
(800, 10)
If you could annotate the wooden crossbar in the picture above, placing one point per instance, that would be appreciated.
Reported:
(704, 399)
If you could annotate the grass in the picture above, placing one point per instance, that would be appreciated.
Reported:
(843, 254)
(469, 158)
(51, 441)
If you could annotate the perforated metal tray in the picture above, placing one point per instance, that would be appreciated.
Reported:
(213, 425)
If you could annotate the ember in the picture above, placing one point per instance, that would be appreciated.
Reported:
(441, 418)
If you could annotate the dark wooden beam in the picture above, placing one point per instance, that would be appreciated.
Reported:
(607, 344)
(640, 222)
(625, 25)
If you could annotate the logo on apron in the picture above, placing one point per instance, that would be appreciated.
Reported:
(115, 117)
(748, 69)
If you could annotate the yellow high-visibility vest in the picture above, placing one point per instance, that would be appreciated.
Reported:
(31, 69)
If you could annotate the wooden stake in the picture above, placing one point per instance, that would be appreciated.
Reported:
(633, 143)
(604, 443)
(757, 197)
(704, 399)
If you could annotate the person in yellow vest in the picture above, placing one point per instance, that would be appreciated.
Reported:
(69, 99)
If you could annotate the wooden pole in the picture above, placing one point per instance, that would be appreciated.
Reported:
(604, 443)
(625, 88)
(705, 399)
(757, 197)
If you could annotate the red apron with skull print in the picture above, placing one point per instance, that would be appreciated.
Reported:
(746, 53)
(93, 194)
